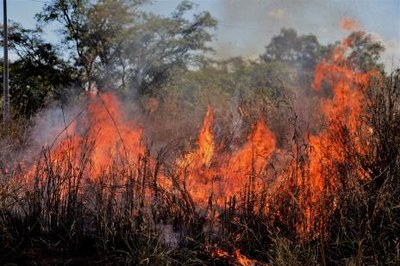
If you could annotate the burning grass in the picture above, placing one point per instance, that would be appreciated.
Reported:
(330, 196)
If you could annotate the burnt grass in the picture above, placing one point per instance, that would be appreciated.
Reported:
(136, 221)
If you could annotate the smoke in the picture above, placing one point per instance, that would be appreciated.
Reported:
(55, 123)
(244, 30)
(50, 126)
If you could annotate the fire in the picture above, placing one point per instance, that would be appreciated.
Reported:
(104, 139)
(242, 260)
(108, 140)
(206, 138)
(350, 24)
(250, 161)
(196, 167)
(236, 258)
(212, 174)
(218, 176)
(113, 137)
(95, 142)
(342, 113)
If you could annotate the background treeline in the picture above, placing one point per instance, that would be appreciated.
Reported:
(115, 45)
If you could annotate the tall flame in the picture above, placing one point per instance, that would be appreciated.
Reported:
(113, 137)
(206, 138)
(250, 161)
(342, 112)
(218, 176)
(196, 165)
(98, 140)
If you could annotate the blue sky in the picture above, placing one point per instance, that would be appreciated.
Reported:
(246, 26)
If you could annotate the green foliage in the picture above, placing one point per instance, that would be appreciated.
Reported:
(235, 80)
(38, 75)
(288, 47)
(94, 30)
(365, 52)
(305, 51)
(163, 44)
(117, 45)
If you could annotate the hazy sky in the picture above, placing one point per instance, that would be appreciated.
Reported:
(246, 26)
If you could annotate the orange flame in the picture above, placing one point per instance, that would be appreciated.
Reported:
(196, 165)
(342, 112)
(103, 138)
(206, 138)
(250, 161)
(236, 258)
(242, 260)
(220, 176)
(350, 24)
(114, 138)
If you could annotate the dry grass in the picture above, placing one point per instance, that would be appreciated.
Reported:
(127, 217)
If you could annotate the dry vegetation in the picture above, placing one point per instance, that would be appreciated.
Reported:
(163, 156)
(129, 216)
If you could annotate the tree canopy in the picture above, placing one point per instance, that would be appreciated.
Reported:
(39, 73)
(289, 47)
(117, 44)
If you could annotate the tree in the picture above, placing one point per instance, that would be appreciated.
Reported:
(304, 51)
(93, 30)
(38, 74)
(118, 45)
(161, 44)
(364, 52)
